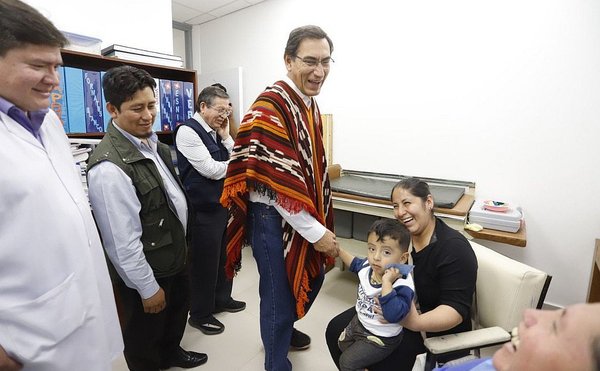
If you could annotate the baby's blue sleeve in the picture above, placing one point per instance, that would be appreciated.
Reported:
(396, 305)
(357, 264)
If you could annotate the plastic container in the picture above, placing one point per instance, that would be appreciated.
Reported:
(83, 43)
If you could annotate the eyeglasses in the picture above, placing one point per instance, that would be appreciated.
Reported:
(225, 112)
(314, 62)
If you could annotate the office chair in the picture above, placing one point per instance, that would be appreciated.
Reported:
(504, 289)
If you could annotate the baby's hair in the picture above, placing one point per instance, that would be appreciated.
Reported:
(392, 229)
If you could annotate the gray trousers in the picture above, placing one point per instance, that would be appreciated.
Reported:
(360, 348)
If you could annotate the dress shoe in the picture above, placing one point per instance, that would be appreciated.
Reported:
(300, 340)
(209, 325)
(231, 307)
(184, 359)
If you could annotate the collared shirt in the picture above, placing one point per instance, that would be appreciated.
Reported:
(302, 222)
(191, 146)
(31, 121)
(111, 189)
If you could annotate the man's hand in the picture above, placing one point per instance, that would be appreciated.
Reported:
(156, 303)
(327, 244)
(223, 130)
(7, 363)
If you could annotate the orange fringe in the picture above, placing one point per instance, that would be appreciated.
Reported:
(302, 298)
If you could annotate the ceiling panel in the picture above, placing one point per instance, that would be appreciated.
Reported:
(229, 8)
(203, 6)
(182, 13)
(201, 19)
(195, 12)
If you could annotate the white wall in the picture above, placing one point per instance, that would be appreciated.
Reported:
(144, 24)
(179, 44)
(503, 93)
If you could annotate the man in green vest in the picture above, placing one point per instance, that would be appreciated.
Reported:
(142, 213)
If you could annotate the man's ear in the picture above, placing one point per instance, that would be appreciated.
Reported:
(112, 109)
(288, 62)
(404, 257)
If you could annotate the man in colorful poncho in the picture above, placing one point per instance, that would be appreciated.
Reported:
(278, 195)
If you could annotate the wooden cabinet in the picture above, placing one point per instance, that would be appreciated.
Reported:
(99, 63)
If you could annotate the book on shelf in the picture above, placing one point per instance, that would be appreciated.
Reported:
(141, 55)
(105, 115)
(166, 105)
(188, 99)
(178, 103)
(156, 126)
(75, 99)
(58, 100)
(92, 92)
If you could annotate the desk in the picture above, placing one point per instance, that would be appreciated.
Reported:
(516, 239)
(454, 217)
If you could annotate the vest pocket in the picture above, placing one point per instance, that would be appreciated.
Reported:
(152, 196)
(156, 234)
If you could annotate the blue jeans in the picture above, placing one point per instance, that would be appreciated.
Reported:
(277, 303)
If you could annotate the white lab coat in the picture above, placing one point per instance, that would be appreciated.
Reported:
(57, 309)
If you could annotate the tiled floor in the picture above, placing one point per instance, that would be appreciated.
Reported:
(240, 347)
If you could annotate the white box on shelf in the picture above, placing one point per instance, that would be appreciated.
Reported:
(82, 43)
(507, 221)
(141, 55)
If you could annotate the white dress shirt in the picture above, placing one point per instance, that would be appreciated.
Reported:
(188, 142)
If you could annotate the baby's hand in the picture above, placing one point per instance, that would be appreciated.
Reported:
(377, 310)
(391, 274)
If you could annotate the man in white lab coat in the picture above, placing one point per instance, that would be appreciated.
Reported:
(57, 309)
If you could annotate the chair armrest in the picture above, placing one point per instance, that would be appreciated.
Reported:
(467, 340)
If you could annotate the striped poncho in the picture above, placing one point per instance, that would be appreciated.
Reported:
(279, 152)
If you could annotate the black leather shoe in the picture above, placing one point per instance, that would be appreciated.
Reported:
(209, 325)
(184, 359)
(231, 307)
(300, 340)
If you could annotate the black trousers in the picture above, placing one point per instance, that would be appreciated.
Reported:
(402, 359)
(210, 287)
(152, 337)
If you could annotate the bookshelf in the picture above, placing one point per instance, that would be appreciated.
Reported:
(100, 63)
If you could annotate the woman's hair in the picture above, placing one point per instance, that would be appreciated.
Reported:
(415, 187)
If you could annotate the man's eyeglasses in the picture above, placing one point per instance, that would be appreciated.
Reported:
(225, 112)
(314, 62)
